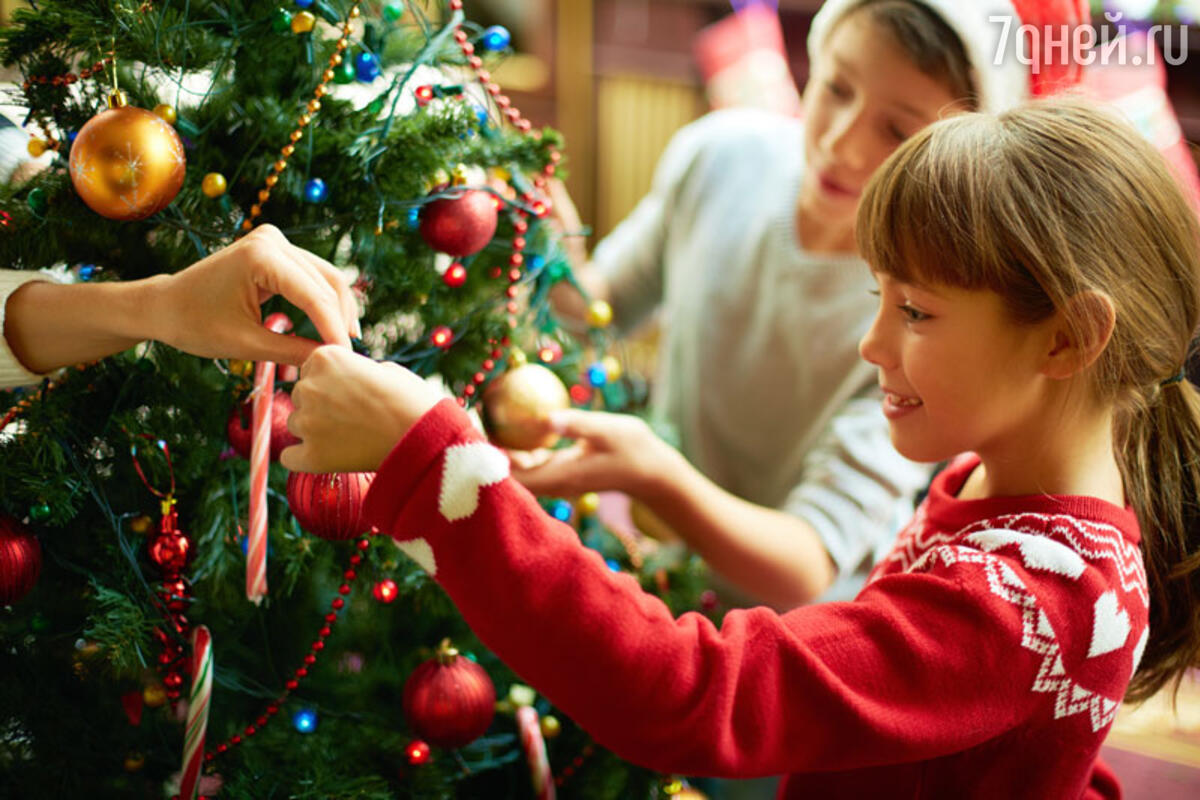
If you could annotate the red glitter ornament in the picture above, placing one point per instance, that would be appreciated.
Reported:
(20, 560)
(238, 429)
(329, 505)
(169, 551)
(460, 225)
(449, 700)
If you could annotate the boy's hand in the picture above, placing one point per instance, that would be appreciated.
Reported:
(611, 452)
(351, 411)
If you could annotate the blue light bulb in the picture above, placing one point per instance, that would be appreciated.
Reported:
(613, 565)
(366, 67)
(597, 375)
(305, 720)
(315, 191)
(495, 38)
(87, 272)
(560, 510)
(414, 218)
(304, 3)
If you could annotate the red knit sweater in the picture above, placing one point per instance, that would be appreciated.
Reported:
(985, 658)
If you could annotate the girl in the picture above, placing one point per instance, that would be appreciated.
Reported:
(746, 243)
(1039, 283)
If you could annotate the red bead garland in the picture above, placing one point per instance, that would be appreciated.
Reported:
(575, 764)
(336, 605)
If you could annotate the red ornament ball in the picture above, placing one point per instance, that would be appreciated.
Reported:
(460, 225)
(329, 505)
(449, 700)
(240, 428)
(20, 560)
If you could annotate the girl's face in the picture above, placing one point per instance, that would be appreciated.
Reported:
(863, 98)
(958, 373)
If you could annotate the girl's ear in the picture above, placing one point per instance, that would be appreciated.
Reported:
(1078, 334)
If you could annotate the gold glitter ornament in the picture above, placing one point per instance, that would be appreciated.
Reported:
(127, 163)
(516, 405)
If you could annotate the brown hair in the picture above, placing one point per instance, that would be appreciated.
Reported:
(1039, 204)
(929, 42)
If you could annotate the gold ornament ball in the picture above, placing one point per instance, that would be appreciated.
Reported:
(36, 147)
(551, 727)
(154, 695)
(127, 163)
(141, 524)
(612, 368)
(588, 504)
(166, 112)
(516, 405)
(213, 185)
(134, 762)
(599, 314)
(303, 22)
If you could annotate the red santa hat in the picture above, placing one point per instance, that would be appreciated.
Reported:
(1012, 44)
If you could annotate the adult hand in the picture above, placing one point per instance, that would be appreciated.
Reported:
(611, 452)
(212, 308)
(351, 411)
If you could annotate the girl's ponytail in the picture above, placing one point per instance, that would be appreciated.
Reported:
(1159, 455)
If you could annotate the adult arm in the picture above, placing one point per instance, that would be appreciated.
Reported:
(210, 309)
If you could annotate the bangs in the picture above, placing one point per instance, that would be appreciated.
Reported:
(941, 211)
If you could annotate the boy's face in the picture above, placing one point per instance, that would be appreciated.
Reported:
(864, 97)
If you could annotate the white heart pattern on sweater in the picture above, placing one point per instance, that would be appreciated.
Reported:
(1110, 627)
(466, 469)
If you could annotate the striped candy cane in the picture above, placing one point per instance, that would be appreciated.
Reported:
(535, 752)
(260, 464)
(197, 716)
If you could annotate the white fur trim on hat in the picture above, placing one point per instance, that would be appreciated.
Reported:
(1001, 82)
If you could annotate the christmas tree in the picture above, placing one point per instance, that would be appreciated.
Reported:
(143, 650)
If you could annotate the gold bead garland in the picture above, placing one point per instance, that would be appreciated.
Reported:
(303, 120)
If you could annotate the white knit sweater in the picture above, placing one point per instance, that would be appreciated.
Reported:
(759, 365)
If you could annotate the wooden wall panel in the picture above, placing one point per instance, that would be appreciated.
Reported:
(635, 118)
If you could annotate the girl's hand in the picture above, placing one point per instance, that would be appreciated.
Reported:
(351, 411)
(212, 308)
(611, 452)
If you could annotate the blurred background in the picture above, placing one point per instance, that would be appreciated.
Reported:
(619, 77)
